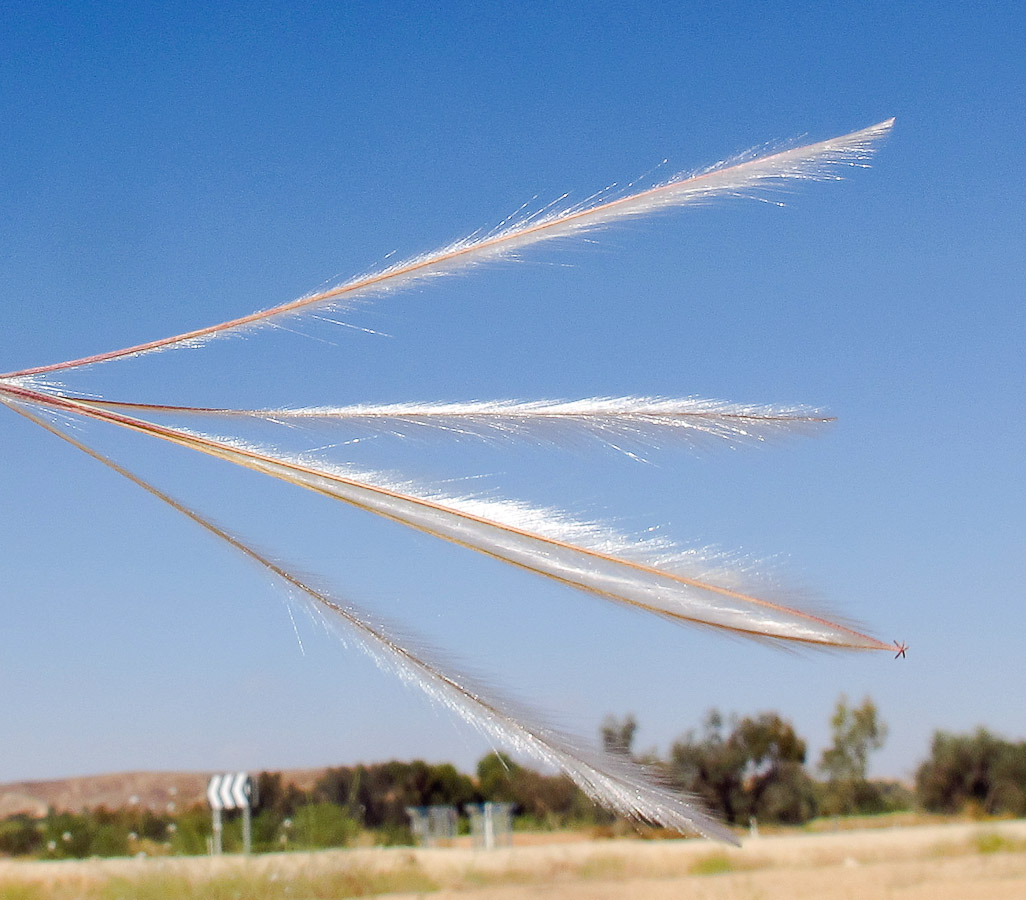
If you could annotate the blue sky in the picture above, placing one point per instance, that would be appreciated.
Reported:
(168, 166)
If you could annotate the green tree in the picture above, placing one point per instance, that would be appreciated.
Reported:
(341, 786)
(549, 801)
(20, 836)
(757, 769)
(857, 732)
(378, 795)
(496, 774)
(702, 765)
(278, 796)
(618, 734)
(776, 787)
(978, 772)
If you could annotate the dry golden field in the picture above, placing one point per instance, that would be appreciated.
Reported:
(967, 861)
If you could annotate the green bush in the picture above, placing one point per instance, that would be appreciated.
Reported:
(318, 825)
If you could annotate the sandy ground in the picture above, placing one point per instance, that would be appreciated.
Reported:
(934, 862)
(972, 878)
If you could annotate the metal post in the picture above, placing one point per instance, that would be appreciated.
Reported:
(489, 827)
(247, 830)
(217, 831)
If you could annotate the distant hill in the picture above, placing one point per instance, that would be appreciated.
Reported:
(156, 791)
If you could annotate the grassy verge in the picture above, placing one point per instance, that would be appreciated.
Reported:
(335, 875)
(336, 885)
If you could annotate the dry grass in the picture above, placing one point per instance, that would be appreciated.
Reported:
(934, 862)
(284, 883)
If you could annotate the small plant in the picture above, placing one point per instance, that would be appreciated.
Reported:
(994, 842)
(715, 864)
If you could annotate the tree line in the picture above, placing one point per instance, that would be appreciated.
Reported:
(741, 768)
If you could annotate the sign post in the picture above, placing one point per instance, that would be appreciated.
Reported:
(234, 790)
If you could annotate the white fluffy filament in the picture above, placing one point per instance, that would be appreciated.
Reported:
(752, 177)
(613, 782)
(611, 419)
(686, 586)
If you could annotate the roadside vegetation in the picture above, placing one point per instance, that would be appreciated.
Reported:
(750, 771)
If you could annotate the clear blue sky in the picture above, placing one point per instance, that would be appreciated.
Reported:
(166, 166)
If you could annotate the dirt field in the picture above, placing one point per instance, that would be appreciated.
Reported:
(936, 862)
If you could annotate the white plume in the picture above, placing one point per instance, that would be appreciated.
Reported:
(750, 176)
(614, 782)
(641, 420)
(686, 585)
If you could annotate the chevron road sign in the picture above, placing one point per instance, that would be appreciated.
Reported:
(231, 791)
